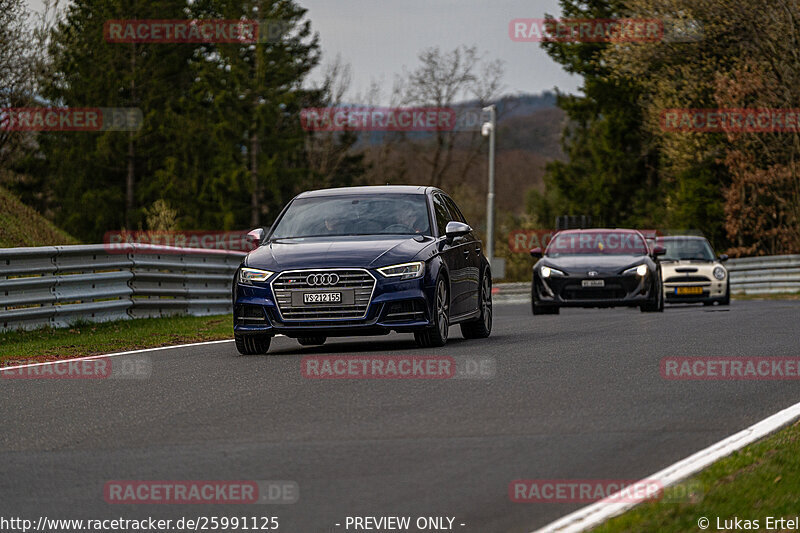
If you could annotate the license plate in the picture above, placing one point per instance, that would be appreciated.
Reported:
(688, 290)
(322, 297)
(593, 283)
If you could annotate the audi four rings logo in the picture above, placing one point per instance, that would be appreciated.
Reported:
(322, 279)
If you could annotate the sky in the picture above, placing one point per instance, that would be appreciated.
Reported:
(377, 38)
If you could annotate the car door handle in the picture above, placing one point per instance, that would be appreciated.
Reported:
(466, 252)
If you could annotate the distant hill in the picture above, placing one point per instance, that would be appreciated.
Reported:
(526, 122)
(529, 129)
(520, 105)
(538, 131)
(21, 225)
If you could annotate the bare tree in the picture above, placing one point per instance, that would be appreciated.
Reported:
(16, 66)
(441, 80)
(325, 154)
(24, 40)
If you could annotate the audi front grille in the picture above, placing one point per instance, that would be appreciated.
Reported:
(360, 281)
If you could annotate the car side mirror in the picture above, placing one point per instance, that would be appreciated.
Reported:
(658, 250)
(723, 257)
(256, 236)
(456, 229)
(536, 253)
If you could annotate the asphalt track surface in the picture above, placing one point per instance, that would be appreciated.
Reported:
(574, 396)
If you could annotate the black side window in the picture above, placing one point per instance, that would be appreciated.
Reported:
(443, 215)
(455, 212)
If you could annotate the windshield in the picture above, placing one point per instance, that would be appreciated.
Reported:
(385, 214)
(687, 249)
(597, 243)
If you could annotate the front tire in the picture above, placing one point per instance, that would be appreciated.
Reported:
(544, 309)
(252, 344)
(539, 309)
(481, 327)
(658, 305)
(317, 340)
(727, 299)
(436, 335)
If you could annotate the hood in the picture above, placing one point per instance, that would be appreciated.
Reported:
(324, 252)
(689, 268)
(688, 262)
(599, 263)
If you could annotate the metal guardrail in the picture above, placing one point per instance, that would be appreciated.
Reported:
(765, 275)
(59, 285)
(749, 275)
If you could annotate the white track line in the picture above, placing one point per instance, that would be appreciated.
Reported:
(87, 358)
(593, 515)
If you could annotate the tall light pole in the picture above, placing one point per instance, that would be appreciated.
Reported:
(488, 130)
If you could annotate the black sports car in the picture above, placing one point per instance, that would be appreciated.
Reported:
(597, 268)
(363, 261)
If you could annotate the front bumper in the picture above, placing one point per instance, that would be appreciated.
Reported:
(617, 291)
(696, 286)
(401, 306)
(711, 292)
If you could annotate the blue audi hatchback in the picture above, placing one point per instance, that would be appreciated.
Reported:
(363, 261)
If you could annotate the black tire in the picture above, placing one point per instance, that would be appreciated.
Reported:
(658, 305)
(544, 309)
(539, 309)
(437, 334)
(481, 327)
(317, 340)
(252, 344)
(727, 299)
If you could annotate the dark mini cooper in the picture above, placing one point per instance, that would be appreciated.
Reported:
(363, 261)
(597, 268)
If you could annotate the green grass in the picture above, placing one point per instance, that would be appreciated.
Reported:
(778, 296)
(94, 339)
(758, 481)
(21, 225)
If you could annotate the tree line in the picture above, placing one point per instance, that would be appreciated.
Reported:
(220, 144)
(625, 168)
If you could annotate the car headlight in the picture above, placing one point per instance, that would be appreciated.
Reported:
(719, 273)
(546, 272)
(404, 270)
(640, 270)
(249, 275)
